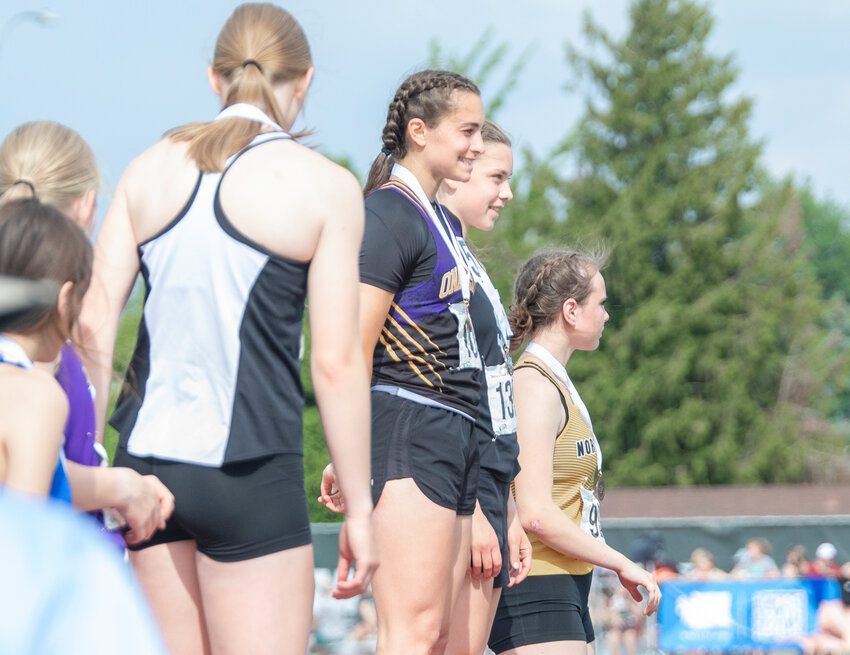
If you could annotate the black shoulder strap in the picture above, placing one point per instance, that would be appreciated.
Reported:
(273, 136)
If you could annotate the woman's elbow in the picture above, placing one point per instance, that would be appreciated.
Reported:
(533, 523)
(336, 369)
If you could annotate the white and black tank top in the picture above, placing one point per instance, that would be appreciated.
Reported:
(215, 377)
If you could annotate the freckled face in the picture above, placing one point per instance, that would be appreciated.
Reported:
(479, 201)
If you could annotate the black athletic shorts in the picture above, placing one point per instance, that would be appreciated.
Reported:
(493, 498)
(431, 445)
(543, 608)
(236, 512)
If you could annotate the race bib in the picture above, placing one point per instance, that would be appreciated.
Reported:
(500, 394)
(590, 520)
(468, 356)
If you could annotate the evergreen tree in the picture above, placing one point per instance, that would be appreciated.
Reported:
(706, 373)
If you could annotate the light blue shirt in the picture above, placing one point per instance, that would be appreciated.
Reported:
(63, 589)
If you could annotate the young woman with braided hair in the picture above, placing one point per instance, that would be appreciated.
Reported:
(233, 224)
(500, 553)
(417, 335)
(559, 307)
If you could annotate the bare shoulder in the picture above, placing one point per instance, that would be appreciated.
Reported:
(163, 156)
(32, 397)
(538, 401)
(319, 186)
(166, 168)
(534, 387)
(325, 174)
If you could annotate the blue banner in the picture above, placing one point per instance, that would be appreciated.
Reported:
(739, 615)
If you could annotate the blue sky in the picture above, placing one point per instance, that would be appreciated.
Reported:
(121, 73)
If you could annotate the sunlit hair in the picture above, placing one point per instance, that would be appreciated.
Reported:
(544, 284)
(38, 242)
(260, 45)
(428, 95)
(48, 161)
(492, 133)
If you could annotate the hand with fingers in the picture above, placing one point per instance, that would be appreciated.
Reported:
(485, 559)
(330, 494)
(357, 548)
(519, 550)
(631, 577)
(146, 504)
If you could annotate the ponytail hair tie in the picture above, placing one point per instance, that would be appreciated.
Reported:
(28, 183)
(387, 152)
(252, 62)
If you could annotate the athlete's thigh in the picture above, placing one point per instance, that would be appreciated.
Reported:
(553, 648)
(168, 574)
(259, 605)
(472, 616)
(416, 542)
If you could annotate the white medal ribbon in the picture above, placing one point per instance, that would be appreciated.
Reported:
(11, 352)
(484, 281)
(248, 112)
(561, 373)
(443, 228)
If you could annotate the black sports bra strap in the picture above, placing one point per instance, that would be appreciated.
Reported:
(545, 373)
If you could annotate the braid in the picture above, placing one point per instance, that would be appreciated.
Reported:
(544, 283)
(427, 95)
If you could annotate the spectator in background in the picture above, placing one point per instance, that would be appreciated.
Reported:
(704, 567)
(824, 564)
(833, 634)
(622, 622)
(796, 563)
(756, 562)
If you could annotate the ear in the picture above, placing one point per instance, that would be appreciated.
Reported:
(215, 80)
(303, 83)
(416, 130)
(569, 311)
(450, 186)
(63, 308)
(82, 211)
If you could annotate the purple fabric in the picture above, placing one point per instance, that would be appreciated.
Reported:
(80, 428)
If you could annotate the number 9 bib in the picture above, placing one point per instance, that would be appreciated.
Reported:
(590, 519)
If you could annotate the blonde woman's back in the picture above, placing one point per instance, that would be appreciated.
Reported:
(279, 194)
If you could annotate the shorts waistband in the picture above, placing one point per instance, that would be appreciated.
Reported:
(416, 398)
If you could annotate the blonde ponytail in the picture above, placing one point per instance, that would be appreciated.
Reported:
(259, 46)
(48, 161)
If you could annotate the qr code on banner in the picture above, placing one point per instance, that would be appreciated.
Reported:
(778, 615)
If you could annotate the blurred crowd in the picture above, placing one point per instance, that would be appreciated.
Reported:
(350, 627)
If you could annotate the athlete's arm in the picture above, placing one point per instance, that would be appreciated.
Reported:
(35, 415)
(485, 559)
(143, 501)
(374, 306)
(116, 264)
(339, 374)
(540, 416)
(519, 548)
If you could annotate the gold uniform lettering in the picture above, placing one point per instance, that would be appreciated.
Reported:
(449, 284)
